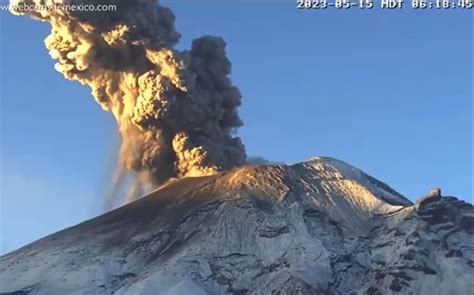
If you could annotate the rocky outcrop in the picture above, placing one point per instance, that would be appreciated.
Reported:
(433, 196)
(320, 227)
(443, 213)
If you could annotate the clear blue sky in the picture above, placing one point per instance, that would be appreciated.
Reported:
(387, 91)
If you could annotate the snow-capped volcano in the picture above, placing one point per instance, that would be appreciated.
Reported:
(319, 227)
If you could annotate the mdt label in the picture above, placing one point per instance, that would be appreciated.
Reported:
(391, 4)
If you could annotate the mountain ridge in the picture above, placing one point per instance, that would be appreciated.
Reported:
(320, 226)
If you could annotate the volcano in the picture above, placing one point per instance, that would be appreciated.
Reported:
(318, 227)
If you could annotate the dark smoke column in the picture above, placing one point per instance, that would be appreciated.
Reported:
(175, 110)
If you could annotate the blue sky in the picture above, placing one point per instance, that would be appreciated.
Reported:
(387, 91)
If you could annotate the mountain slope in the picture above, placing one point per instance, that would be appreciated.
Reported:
(320, 227)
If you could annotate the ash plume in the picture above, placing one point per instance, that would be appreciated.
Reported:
(176, 111)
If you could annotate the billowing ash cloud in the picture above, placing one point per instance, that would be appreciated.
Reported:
(175, 111)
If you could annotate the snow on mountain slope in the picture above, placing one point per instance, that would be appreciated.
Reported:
(319, 227)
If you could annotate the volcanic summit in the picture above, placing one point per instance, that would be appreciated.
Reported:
(318, 227)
